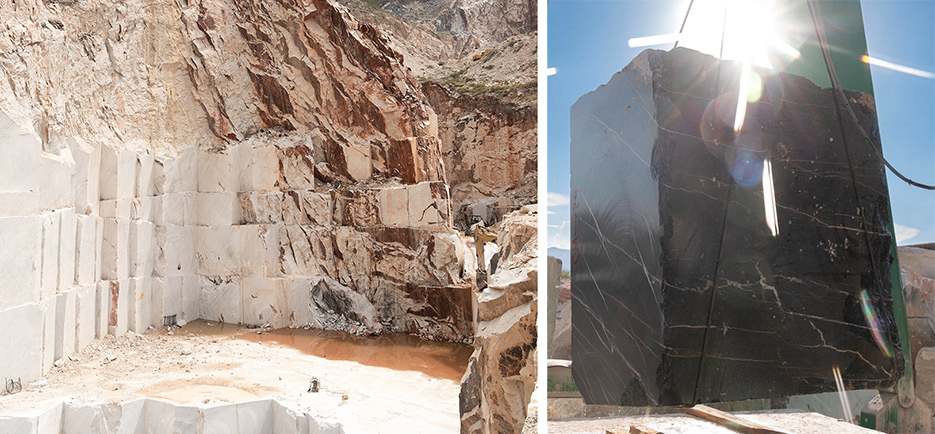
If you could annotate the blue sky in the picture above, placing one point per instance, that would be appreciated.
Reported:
(587, 44)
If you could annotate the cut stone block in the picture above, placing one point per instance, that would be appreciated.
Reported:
(119, 313)
(115, 258)
(255, 416)
(66, 317)
(180, 174)
(317, 207)
(87, 315)
(66, 251)
(703, 255)
(51, 242)
(394, 204)
(141, 249)
(86, 253)
(20, 154)
(115, 208)
(221, 299)
(140, 304)
(178, 209)
(175, 250)
(191, 299)
(55, 189)
(156, 298)
(260, 250)
(260, 206)
(102, 309)
(424, 210)
(145, 183)
(218, 250)
(19, 203)
(47, 348)
(126, 174)
(306, 251)
(218, 170)
(259, 168)
(141, 208)
(23, 345)
(267, 301)
(20, 273)
(297, 168)
(81, 153)
(217, 209)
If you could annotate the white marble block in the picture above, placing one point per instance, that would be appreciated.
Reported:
(66, 310)
(140, 304)
(22, 346)
(176, 250)
(141, 208)
(102, 308)
(20, 153)
(177, 209)
(20, 273)
(423, 208)
(115, 208)
(81, 153)
(260, 250)
(221, 299)
(107, 185)
(190, 297)
(171, 295)
(267, 301)
(156, 299)
(318, 207)
(259, 168)
(394, 206)
(218, 250)
(51, 230)
(87, 315)
(141, 249)
(126, 174)
(55, 189)
(47, 311)
(19, 203)
(115, 262)
(145, 184)
(218, 170)
(66, 251)
(217, 209)
(119, 316)
(180, 174)
(85, 253)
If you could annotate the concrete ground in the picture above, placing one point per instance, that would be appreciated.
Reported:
(790, 421)
(373, 385)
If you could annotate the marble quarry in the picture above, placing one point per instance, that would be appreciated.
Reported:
(712, 265)
(262, 164)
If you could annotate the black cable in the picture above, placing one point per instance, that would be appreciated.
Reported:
(684, 20)
(836, 86)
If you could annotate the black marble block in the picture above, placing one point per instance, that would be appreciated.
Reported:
(682, 291)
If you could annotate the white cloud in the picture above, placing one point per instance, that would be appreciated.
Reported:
(560, 236)
(557, 199)
(904, 233)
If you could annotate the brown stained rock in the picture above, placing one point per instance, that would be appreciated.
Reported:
(497, 388)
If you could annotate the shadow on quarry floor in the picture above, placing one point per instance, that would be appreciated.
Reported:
(368, 384)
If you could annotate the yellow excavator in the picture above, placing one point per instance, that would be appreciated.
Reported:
(482, 236)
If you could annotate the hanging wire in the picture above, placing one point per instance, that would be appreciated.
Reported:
(836, 86)
(684, 20)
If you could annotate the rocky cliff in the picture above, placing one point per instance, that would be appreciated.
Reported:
(253, 162)
(501, 375)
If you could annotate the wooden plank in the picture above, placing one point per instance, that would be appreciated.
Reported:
(729, 421)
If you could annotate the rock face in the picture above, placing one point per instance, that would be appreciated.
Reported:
(501, 375)
(701, 256)
(490, 151)
(261, 163)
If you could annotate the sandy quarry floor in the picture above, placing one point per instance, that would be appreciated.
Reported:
(377, 384)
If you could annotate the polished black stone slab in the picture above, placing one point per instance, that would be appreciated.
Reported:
(684, 289)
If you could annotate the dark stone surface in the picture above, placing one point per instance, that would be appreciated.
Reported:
(681, 292)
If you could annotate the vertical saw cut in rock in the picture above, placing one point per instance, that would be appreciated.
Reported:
(713, 264)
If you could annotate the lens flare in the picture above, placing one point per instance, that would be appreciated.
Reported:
(870, 314)
(896, 67)
(769, 199)
(842, 393)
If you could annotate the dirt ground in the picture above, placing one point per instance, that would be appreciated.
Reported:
(369, 384)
